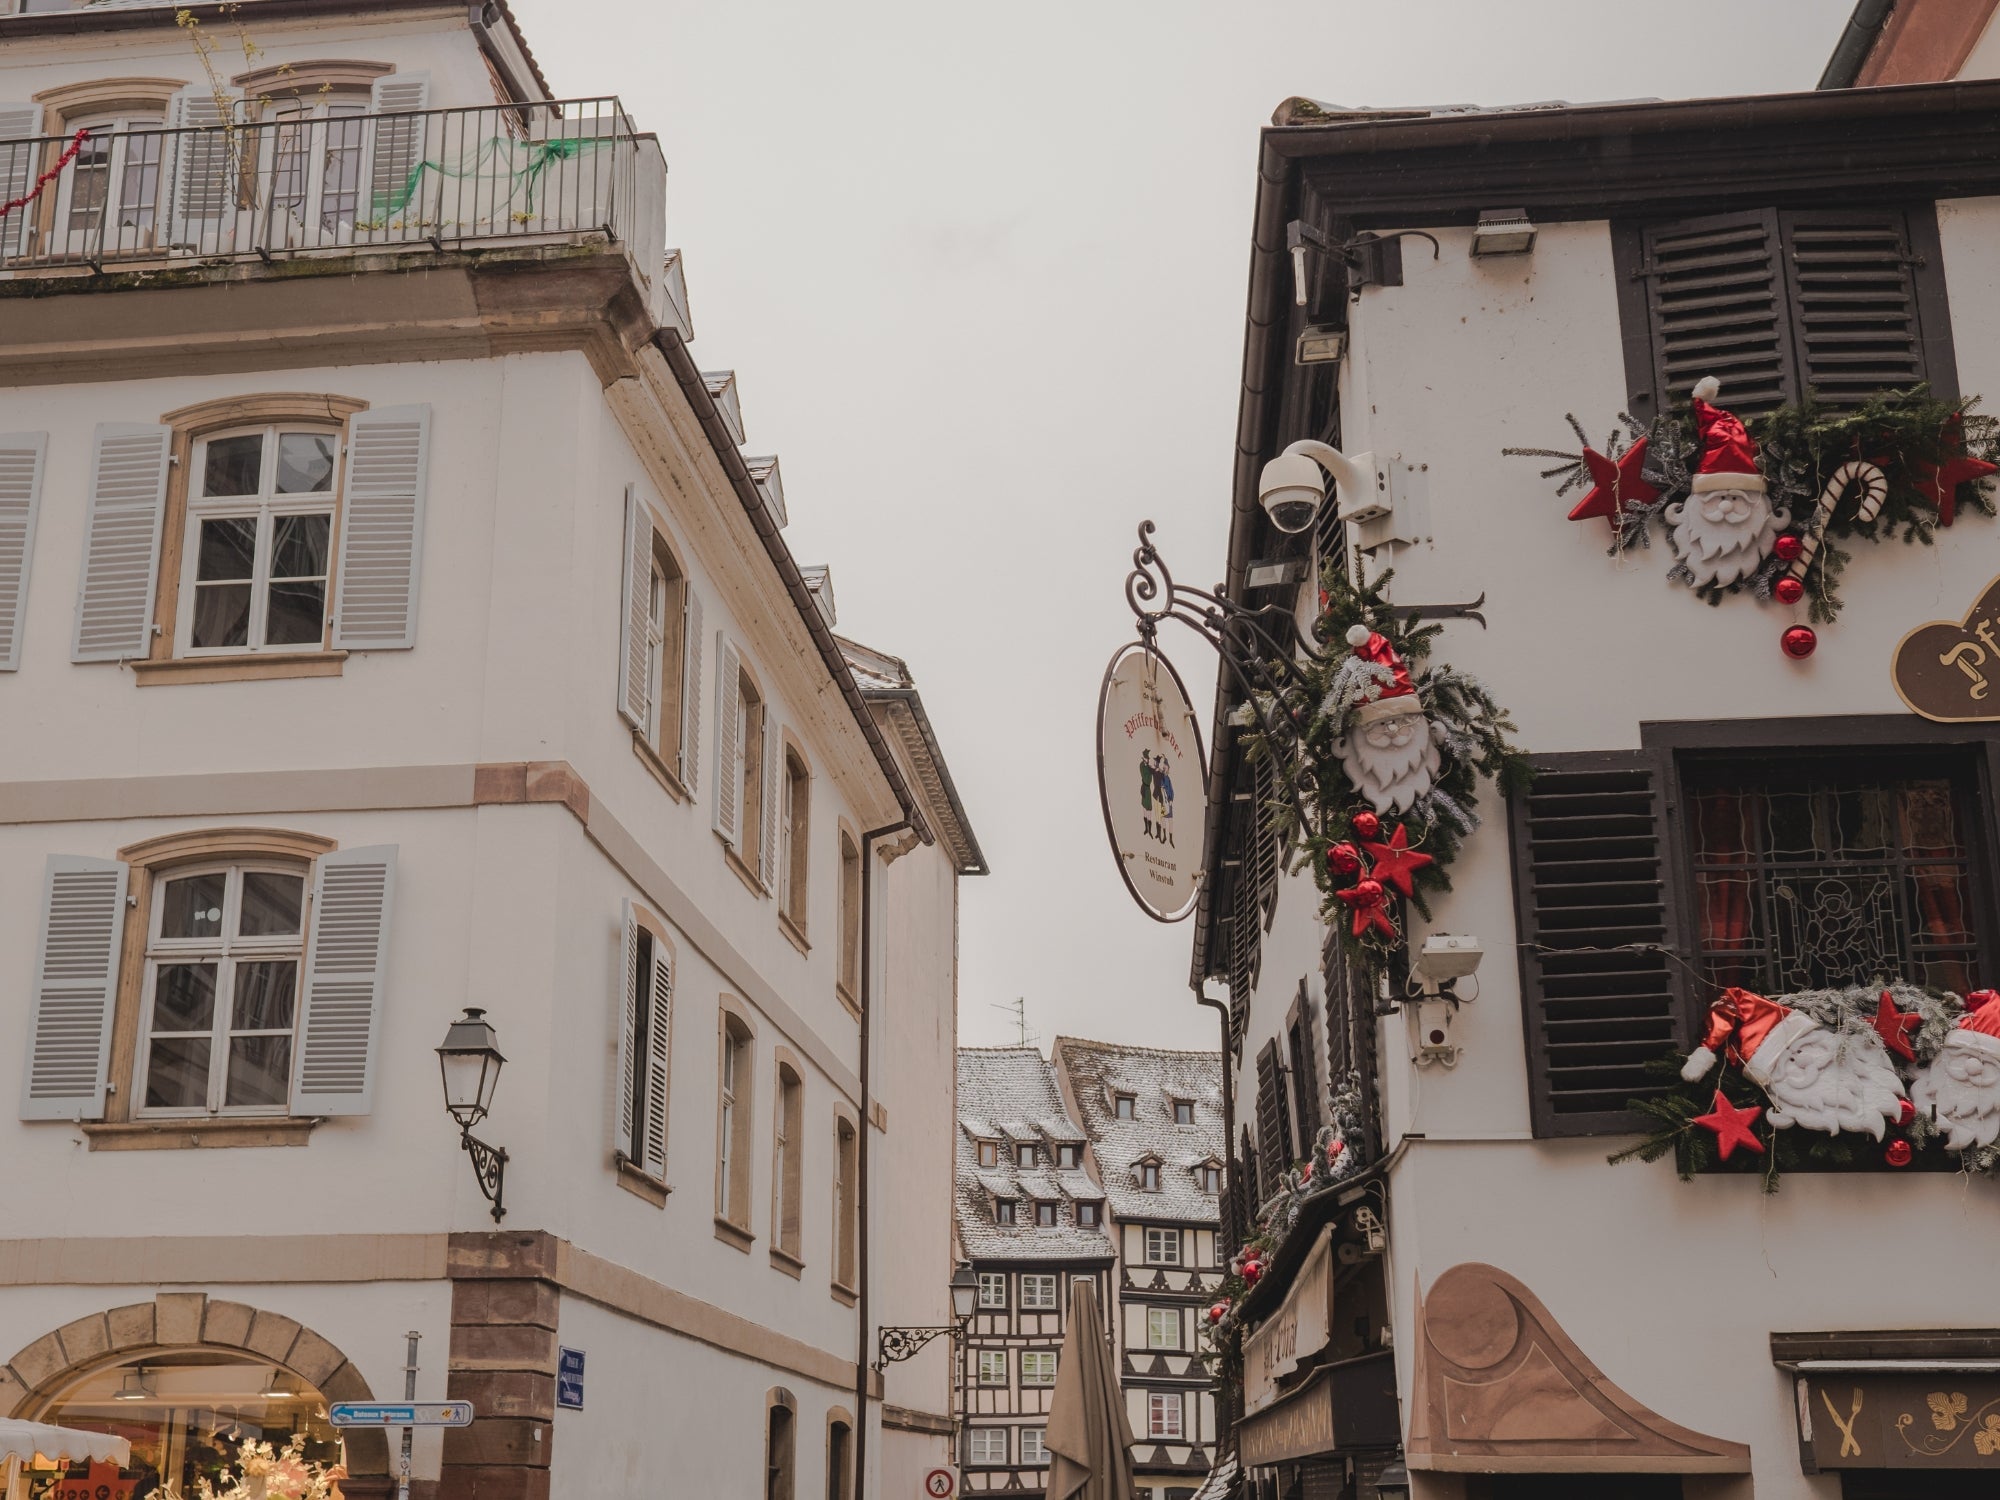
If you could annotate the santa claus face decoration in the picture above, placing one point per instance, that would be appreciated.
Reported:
(1961, 1091)
(1392, 760)
(1725, 535)
(1832, 1083)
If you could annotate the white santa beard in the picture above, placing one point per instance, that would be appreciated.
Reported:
(1392, 778)
(1858, 1090)
(1721, 552)
(1966, 1109)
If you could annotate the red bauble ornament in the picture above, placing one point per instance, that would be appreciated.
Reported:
(1306, 1172)
(1731, 1126)
(1334, 1148)
(1368, 893)
(1218, 1311)
(1788, 547)
(1906, 1112)
(1366, 824)
(1788, 590)
(1799, 642)
(1343, 859)
(1898, 1154)
(1252, 1270)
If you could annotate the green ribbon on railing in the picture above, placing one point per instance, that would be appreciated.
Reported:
(520, 180)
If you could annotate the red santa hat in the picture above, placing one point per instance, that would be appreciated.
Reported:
(1755, 1030)
(1728, 457)
(1400, 696)
(1978, 1030)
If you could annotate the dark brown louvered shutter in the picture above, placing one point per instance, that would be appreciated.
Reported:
(1594, 887)
(1301, 1038)
(1856, 330)
(1716, 305)
(1274, 1125)
(1244, 1192)
(1242, 961)
(1265, 841)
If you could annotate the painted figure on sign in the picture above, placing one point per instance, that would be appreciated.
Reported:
(1163, 788)
(1145, 781)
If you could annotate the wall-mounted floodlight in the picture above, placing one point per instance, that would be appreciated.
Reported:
(1503, 231)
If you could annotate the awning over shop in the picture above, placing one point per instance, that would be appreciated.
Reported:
(1501, 1389)
(23, 1442)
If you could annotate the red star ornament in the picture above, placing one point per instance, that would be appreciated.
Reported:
(1939, 483)
(1895, 1026)
(1396, 863)
(1615, 486)
(1731, 1126)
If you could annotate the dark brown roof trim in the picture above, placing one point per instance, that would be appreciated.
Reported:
(668, 342)
(140, 17)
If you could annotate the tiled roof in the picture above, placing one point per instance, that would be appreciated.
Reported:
(1010, 1095)
(1098, 1071)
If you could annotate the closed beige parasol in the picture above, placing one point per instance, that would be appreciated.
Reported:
(1089, 1440)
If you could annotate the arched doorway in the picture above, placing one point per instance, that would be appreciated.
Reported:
(189, 1380)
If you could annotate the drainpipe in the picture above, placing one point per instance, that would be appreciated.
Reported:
(1225, 1409)
(863, 1354)
(1857, 40)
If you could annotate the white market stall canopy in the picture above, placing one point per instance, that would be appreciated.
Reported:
(20, 1442)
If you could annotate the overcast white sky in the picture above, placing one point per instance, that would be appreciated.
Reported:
(981, 269)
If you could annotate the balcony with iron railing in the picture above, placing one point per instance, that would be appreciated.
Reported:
(329, 180)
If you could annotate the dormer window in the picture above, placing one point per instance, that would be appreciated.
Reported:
(1045, 1214)
(1123, 1106)
(1184, 1111)
(1088, 1215)
(989, 1153)
(1149, 1176)
(1024, 1155)
(1211, 1177)
(1069, 1155)
(1003, 1211)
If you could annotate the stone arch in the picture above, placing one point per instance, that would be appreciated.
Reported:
(181, 1321)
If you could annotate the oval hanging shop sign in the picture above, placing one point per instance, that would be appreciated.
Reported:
(1152, 779)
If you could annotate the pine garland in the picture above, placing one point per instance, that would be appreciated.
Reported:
(1470, 725)
(1846, 1012)
(1905, 433)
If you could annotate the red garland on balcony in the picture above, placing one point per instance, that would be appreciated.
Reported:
(41, 182)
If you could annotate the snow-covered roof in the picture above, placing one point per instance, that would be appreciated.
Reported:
(1011, 1094)
(1097, 1073)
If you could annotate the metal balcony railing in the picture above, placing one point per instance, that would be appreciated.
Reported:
(322, 178)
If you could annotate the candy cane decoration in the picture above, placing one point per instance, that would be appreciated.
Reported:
(1875, 489)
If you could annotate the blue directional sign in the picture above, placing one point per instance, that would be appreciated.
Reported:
(569, 1378)
(400, 1414)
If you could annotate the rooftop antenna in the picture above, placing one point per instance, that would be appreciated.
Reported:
(1018, 1009)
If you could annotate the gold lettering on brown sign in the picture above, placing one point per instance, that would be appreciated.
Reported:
(1946, 671)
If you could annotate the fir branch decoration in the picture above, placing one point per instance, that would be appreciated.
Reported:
(1908, 434)
(1468, 724)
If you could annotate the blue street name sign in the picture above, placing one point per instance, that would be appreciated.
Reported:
(400, 1414)
(569, 1378)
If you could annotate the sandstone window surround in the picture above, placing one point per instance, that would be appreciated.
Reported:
(645, 1011)
(747, 754)
(781, 1423)
(794, 851)
(661, 642)
(199, 525)
(846, 1166)
(839, 1454)
(195, 1013)
(787, 1175)
(736, 1074)
(847, 983)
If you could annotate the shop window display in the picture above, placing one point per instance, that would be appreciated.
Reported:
(193, 1419)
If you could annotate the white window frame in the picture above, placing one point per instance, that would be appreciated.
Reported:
(1163, 1246)
(993, 1291)
(1164, 1415)
(1033, 1285)
(225, 952)
(992, 1367)
(1159, 1319)
(118, 133)
(659, 599)
(266, 507)
(980, 1445)
(1038, 1367)
(1034, 1447)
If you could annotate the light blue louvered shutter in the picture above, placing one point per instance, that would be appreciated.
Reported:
(121, 550)
(333, 1071)
(21, 459)
(202, 179)
(635, 686)
(75, 988)
(20, 162)
(694, 646)
(728, 742)
(382, 529)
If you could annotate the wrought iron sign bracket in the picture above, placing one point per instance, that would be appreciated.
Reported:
(894, 1345)
(489, 1165)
